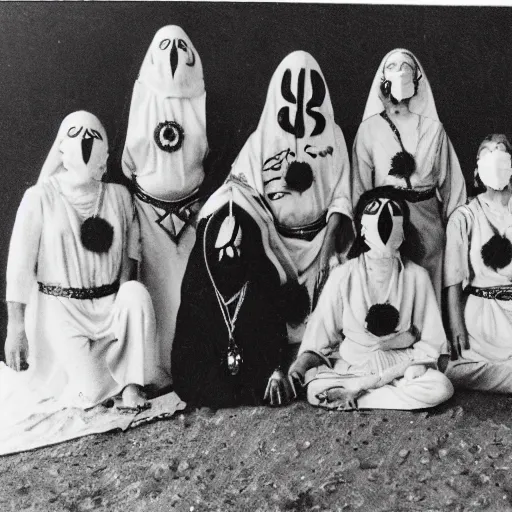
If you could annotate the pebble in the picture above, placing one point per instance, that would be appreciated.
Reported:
(183, 466)
(493, 452)
(403, 453)
(175, 498)
(158, 471)
(443, 453)
(425, 460)
(484, 479)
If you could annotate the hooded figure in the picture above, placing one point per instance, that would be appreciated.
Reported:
(298, 161)
(379, 313)
(478, 276)
(402, 143)
(163, 157)
(89, 332)
(231, 330)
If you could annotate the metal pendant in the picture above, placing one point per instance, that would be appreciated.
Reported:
(234, 358)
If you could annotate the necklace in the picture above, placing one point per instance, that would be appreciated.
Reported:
(234, 354)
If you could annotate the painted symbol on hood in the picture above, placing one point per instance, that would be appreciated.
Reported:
(317, 98)
(178, 44)
(169, 136)
(88, 136)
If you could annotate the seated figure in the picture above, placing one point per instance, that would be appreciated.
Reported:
(84, 330)
(380, 312)
(478, 276)
(231, 341)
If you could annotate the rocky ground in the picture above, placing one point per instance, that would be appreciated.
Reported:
(298, 458)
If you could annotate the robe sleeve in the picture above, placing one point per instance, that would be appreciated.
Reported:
(24, 247)
(324, 327)
(427, 318)
(341, 198)
(362, 166)
(451, 184)
(456, 256)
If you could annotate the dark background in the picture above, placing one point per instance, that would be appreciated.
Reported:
(59, 57)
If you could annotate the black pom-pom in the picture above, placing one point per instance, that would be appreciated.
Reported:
(293, 302)
(299, 176)
(96, 234)
(382, 319)
(497, 252)
(402, 165)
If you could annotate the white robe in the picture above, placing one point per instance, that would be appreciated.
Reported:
(437, 167)
(487, 364)
(80, 351)
(338, 322)
(330, 191)
(172, 171)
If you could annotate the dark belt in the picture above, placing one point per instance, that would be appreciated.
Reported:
(307, 232)
(492, 292)
(79, 293)
(414, 196)
(180, 208)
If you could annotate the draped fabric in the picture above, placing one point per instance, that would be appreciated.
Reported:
(337, 328)
(165, 147)
(199, 355)
(437, 167)
(81, 351)
(297, 125)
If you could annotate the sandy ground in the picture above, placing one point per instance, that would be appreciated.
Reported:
(457, 457)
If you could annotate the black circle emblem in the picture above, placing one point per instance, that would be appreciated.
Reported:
(169, 136)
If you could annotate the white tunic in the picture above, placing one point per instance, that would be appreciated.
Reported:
(81, 351)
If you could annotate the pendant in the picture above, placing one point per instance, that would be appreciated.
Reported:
(234, 358)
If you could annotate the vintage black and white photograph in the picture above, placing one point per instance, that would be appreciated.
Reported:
(257, 256)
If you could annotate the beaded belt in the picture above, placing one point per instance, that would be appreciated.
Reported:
(79, 293)
(415, 196)
(307, 232)
(492, 292)
(180, 208)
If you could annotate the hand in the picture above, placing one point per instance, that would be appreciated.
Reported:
(279, 390)
(459, 341)
(16, 348)
(401, 340)
(298, 369)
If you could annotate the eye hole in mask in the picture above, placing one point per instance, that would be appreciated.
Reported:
(372, 208)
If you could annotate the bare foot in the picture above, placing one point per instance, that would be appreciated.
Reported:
(339, 398)
(133, 397)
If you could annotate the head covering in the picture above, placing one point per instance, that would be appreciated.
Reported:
(410, 244)
(166, 133)
(82, 141)
(297, 125)
(422, 103)
(172, 66)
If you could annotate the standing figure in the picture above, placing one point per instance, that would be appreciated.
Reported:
(478, 275)
(402, 143)
(298, 161)
(380, 312)
(163, 156)
(231, 340)
(86, 332)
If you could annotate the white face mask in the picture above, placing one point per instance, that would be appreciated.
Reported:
(495, 169)
(372, 227)
(402, 84)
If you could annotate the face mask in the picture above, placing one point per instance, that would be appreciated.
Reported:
(84, 152)
(495, 170)
(382, 226)
(402, 85)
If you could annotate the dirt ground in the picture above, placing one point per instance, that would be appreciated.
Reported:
(457, 457)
